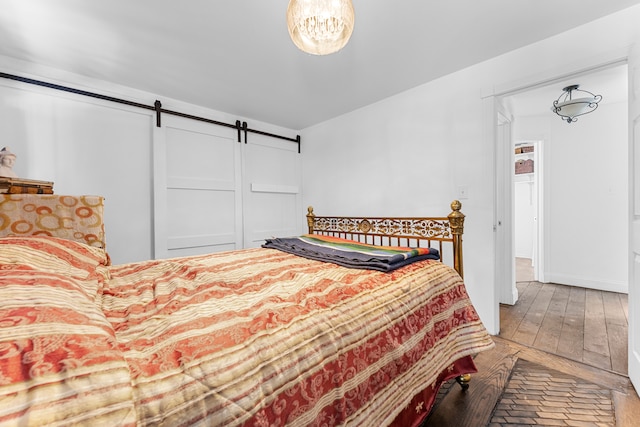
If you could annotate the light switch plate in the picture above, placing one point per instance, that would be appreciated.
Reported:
(463, 192)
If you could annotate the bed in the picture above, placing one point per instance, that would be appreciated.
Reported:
(253, 337)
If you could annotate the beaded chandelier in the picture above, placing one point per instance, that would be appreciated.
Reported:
(320, 27)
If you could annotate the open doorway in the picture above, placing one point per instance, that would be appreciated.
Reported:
(581, 174)
(581, 198)
(527, 201)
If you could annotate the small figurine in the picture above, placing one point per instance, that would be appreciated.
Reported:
(7, 160)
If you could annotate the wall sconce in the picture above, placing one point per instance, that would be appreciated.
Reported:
(568, 107)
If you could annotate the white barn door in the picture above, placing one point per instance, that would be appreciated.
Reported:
(272, 177)
(634, 274)
(197, 188)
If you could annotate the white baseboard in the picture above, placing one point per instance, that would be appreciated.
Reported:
(610, 286)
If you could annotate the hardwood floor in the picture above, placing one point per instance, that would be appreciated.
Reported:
(578, 333)
(584, 325)
(476, 406)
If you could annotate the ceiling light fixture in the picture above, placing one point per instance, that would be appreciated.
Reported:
(568, 107)
(320, 27)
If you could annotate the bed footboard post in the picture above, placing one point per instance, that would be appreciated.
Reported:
(464, 381)
(456, 221)
(310, 219)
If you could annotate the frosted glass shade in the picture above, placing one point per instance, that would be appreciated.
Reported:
(576, 107)
(568, 108)
(320, 27)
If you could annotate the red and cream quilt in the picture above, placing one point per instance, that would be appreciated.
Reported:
(255, 337)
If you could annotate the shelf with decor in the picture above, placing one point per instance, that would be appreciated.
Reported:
(524, 163)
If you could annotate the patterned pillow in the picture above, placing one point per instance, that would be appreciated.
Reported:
(78, 218)
(54, 255)
(59, 360)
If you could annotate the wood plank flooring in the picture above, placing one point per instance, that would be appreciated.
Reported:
(584, 325)
(475, 407)
(575, 331)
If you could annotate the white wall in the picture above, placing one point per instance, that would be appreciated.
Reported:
(409, 153)
(85, 147)
(89, 146)
(586, 192)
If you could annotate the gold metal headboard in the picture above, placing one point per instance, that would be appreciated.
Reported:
(400, 231)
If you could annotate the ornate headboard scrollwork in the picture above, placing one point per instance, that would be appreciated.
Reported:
(400, 231)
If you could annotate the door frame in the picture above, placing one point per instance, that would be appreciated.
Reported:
(541, 204)
(633, 69)
(506, 272)
(615, 58)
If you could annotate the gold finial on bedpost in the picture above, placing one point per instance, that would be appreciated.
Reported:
(310, 219)
(456, 221)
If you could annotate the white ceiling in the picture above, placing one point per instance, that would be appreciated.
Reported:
(236, 56)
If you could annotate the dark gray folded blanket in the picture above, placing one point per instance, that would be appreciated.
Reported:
(348, 253)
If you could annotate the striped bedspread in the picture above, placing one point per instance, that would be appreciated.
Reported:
(349, 253)
(256, 337)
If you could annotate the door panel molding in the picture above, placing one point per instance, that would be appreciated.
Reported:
(197, 188)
